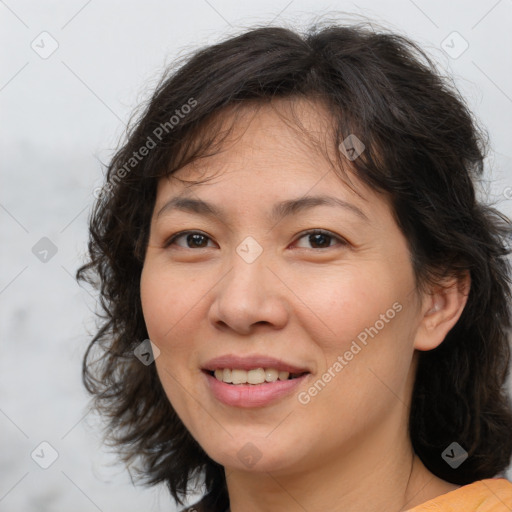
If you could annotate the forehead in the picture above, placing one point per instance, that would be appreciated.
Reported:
(287, 126)
(279, 149)
(290, 130)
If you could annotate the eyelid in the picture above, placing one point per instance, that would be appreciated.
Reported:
(179, 234)
(314, 231)
(319, 231)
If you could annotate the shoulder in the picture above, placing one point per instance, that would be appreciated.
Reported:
(495, 493)
(489, 495)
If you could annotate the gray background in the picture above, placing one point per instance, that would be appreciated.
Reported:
(62, 116)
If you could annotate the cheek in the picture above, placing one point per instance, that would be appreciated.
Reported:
(167, 298)
(366, 343)
(347, 303)
(172, 307)
(165, 303)
(156, 308)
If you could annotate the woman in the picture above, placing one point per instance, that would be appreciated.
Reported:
(292, 222)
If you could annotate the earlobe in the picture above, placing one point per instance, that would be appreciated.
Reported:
(442, 308)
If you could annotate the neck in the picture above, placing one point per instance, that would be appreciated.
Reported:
(376, 473)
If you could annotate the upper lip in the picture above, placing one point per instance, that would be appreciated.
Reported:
(251, 362)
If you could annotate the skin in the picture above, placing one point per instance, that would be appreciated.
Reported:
(303, 300)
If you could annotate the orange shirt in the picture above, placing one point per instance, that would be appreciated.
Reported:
(490, 495)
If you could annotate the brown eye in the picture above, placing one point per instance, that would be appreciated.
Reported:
(319, 239)
(193, 240)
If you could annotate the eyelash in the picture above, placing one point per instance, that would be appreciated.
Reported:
(342, 241)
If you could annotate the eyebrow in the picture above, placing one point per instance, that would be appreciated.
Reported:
(279, 210)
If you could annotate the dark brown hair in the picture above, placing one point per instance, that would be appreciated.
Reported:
(423, 149)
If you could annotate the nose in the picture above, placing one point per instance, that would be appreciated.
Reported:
(249, 295)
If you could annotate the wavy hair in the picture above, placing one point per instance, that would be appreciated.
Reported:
(423, 149)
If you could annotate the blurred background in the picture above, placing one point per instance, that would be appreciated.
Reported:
(71, 74)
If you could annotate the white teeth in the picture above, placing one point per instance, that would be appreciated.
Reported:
(239, 376)
(271, 375)
(256, 376)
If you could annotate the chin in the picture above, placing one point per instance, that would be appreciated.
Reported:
(256, 454)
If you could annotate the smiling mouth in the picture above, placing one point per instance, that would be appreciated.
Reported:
(255, 376)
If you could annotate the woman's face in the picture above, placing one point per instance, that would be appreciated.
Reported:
(251, 284)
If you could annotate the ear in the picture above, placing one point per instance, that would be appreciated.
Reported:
(441, 308)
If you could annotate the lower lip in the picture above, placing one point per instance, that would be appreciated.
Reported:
(252, 395)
